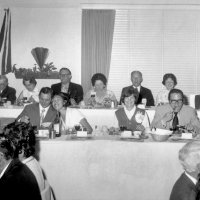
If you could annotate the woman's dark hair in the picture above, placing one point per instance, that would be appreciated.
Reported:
(98, 76)
(169, 75)
(65, 97)
(129, 92)
(21, 136)
(31, 80)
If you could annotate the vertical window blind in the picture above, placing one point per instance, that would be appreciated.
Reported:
(155, 42)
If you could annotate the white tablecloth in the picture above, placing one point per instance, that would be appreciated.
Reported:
(96, 117)
(110, 169)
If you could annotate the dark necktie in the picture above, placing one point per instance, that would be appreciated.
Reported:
(198, 190)
(175, 121)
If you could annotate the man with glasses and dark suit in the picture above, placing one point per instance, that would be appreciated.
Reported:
(73, 92)
(176, 114)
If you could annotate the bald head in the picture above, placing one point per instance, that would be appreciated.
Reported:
(136, 78)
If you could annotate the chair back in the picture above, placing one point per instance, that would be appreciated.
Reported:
(195, 101)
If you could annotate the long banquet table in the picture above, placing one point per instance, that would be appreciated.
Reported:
(107, 168)
(110, 169)
(96, 117)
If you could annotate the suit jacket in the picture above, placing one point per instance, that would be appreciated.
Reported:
(145, 93)
(75, 91)
(18, 182)
(185, 116)
(184, 189)
(33, 112)
(9, 93)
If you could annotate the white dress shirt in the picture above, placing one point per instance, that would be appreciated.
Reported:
(194, 180)
(3, 171)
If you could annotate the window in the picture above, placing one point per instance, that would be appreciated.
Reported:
(155, 42)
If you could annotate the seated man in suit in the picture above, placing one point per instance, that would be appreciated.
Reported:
(40, 113)
(16, 179)
(185, 187)
(144, 93)
(175, 114)
(72, 91)
(6, 92)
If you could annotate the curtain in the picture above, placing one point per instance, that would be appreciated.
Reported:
(97, 36)
(5, 44)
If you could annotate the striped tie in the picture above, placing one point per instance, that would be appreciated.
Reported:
(42, 116)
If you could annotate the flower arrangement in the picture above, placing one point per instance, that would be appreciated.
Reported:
(40, 70)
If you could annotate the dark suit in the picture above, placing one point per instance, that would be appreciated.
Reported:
(18, 182)
(33, 112)
(145, 93)
(75, 91)
(184, 189)
(9, 93)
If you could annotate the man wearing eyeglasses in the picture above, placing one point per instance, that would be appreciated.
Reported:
(6, 93)
(176, 114)
(72, 91)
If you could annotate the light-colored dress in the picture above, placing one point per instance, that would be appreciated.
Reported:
(73, 117)
(109, 95)
(34, 166)
(162, 97)
(34, 94)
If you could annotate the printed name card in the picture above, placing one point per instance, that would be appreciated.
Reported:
(81, 133)
(186, 136)
(43, 133)
(126, 134)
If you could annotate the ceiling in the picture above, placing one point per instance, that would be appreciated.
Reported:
(75, 3)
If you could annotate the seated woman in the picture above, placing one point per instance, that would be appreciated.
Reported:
(130, 116)
(24, 136)
(31, 92)
(169, 81)
(69, 116)
(99, 96)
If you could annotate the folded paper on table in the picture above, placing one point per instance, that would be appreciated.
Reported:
(126, 134)
(81, 133)
(186, 136)
(43, 133)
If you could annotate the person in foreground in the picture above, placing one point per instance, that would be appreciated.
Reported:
(143, 93)
(99, 96)
(73, 92)
(69, 116)
(25, 136)
(130, 116)
(169, 81)
(42, 113)
(175, 114)
(186, 187)
(16, 179)
(6, 92)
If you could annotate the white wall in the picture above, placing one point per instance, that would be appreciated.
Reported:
(58, 29)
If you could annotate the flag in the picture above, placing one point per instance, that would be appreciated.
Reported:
(5, 44)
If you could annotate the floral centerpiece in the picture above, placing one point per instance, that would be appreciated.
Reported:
(40, 70)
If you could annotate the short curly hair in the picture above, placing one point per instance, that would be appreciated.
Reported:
(22, 137)
(99, 76)
(169, 75)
